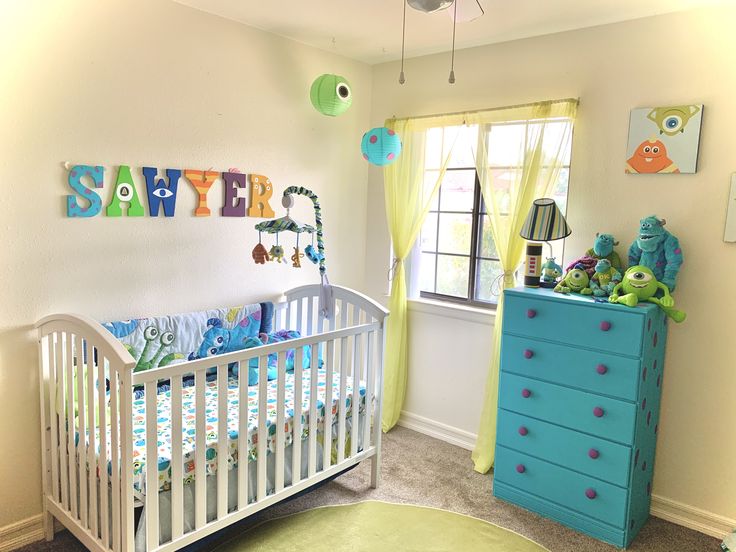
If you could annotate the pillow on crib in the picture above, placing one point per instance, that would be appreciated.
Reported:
(160, 341)
(276, 337)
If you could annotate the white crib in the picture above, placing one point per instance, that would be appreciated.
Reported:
(97, 505)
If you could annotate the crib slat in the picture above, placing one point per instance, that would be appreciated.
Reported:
(342, 399)
(313, 367)
(343, 314)
(61, 366)
(200, 443)
(299, 314)
(296, 441)
(53, 414)
(243, 434)
(93, 433)
(126, 430)
(115, 454)
(102, 406)
(262, 427)
(71, 426)
(355, 400)
(310, 315)
(177, 460)
(280, 420)
(81, 422)
(151, 465)
(222, 441)
(327, 442)
(369, 389)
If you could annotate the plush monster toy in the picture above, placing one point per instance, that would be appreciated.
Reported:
(605, 278)
(575, 281)
(640, 284)
(551, 272)
(658, 250)
(603, 249)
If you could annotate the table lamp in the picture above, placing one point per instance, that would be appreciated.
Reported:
(544, 223)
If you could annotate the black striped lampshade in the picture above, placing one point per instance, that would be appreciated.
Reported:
(545, 222)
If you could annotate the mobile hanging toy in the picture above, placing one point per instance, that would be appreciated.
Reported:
(288, 224)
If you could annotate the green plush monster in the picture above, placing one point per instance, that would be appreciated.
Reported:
(575, 281)
(605, 278)
(639, 284)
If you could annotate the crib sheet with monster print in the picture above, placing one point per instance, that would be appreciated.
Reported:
(211, 398)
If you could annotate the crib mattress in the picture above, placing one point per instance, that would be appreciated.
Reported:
(212, 438)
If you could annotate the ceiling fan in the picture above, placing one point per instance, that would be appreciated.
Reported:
(463, 11)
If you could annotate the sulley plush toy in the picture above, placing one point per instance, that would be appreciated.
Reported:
(603, 249)
(658, 250)
(605, 278)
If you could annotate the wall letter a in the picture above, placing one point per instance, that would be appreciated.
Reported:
(124, 193)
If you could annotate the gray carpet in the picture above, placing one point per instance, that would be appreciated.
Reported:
(420, 470)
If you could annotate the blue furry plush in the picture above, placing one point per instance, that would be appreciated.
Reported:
(658, 250)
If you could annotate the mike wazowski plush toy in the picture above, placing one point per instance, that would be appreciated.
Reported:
(639, 284)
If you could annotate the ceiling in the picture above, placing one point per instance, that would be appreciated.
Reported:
(370, 31)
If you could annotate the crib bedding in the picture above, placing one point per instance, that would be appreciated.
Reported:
(211, 410)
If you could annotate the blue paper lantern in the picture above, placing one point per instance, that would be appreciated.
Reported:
(380, 146)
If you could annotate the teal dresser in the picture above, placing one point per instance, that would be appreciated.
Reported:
(579, 395)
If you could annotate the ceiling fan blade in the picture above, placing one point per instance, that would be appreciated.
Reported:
(468, 10)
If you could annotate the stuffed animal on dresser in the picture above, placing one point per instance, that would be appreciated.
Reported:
(604, 279)
(658, 250)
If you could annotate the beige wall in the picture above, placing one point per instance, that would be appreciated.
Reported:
(151, 83)
(674, 59)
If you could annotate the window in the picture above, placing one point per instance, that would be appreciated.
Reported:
(457, 257)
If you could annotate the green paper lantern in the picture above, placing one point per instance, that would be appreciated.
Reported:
(331, 95)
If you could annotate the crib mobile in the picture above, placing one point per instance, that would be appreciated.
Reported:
(277, 254)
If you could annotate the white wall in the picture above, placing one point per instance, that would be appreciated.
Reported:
(682, 58)
(154, 82)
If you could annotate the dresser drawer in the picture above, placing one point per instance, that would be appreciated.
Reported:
(586, 495)
(593, 325)
(600, 416)
(594, 371)
(577, 451)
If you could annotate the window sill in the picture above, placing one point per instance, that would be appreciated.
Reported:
(450, 310)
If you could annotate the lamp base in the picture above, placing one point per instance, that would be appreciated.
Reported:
(533, 265)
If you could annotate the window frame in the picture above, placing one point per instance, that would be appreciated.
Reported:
(474, 254)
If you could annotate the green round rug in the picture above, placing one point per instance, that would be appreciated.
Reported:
(379, 526)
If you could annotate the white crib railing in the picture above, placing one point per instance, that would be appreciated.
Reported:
(96, 502)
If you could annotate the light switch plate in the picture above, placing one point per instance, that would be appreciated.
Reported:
(730, 234)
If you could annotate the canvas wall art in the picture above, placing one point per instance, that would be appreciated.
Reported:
(664, 140)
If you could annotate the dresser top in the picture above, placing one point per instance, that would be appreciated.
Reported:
(549, 295)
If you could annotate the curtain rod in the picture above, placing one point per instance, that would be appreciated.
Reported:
(576, 100)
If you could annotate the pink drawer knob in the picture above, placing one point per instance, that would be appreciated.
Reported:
(590, 493)
(605, 326)
(523, 431)
(598, 412)
(528, 353)
(593, 453)
(531, 313)
(601, 369)
(526, 393)
(520, 468)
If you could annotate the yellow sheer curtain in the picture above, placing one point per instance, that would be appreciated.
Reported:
(408, 198)
(508, 195)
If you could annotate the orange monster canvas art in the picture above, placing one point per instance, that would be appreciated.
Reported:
(651, 157)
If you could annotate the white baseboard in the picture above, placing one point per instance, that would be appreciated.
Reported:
(21, 533)
(693, 518)
(443, 432)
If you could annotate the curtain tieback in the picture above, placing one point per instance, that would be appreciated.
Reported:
(508, 280)
(392, 270)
